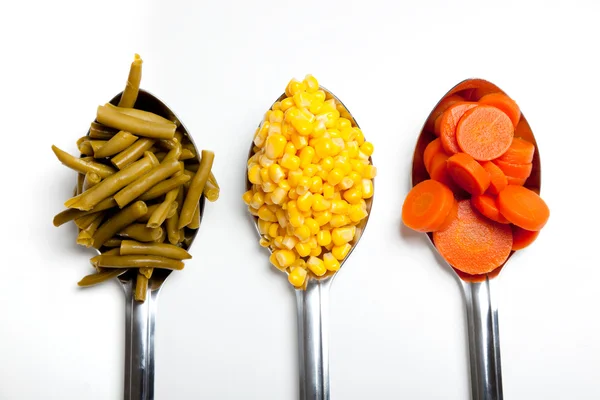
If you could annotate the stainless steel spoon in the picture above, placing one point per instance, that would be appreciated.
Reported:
(482, 310)
(312, 306)
(140, 318)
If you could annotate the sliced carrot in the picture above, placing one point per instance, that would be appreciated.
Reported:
(438, 170)
(450, 217)
(434, 147)
(427, 205)
(472, 243)
(484, 132)
(520, 152)
(504, 103)
(521, 171)
(523, 207)
(447, 125)
(498, 180)
(468, 173)
(522, 238)
(515, 181)
(486, 205)
(439, 109)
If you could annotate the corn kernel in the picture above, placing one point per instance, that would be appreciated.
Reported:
(319, 128)
(302, 99)
(324, 147)
(305, 201)
(339, 220)
(316, 266)
(307, 214)
(290, 149)
(320, 203)
(295, 218)
(299, 263)
(302, 232)
(354, 195)
(264, 175)
(289, 242)
(340, 252)
(320, 95)
(367, 188)
(257, 200)
(337, 196)
(369, 172)
(299, 141)
(292, 195)
(275, 146)
(285, 258)
(303, 184)
(323, 237)
(358, 166)
(294, 178)
(276, 173)
(313, 225)
(266, 214)
(297, 277)
(303, 122)
(278, 196)
(329, 246)
(316, 184)
(329, 118)
(353, 149)
(312, 242)
(328, 191)
(346, 183)
(274, 129)
(315, 107)
(265, 161)
(334, 134)
(367, 148)
(335, 176)
(264, 242)
(290, 162)
(343, 164)
(284, 184)
(268, 187)
(253, 211)
(311, 83)
(286, 104)
(323, 217)
(306, 156)
(303, 249)
(294, 87)
(330, 262)
(247, 197)
(327, 163)
(281, 219)
(357, 213)
(339, 207)
(359, 136)
(254, 174)
(343, 123)
(343, 235)
(316, 251)
(273, 260)
(356, 178)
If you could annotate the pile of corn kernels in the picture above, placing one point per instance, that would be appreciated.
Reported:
(311, 176)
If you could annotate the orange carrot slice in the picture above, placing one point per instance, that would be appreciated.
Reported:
(486, 205)
(427, 205)
(447, 125)
(484, 132)
(520, 152)
(521, 171)
(504, 103)
(434, 147)
(438, 170)
(472, 243)
(515, 181)
(498, 180)
(522, 238)
(468, 173)
(523, 207)
(450, 217)
(439, 109)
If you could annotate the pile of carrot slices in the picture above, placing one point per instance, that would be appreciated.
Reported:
(475, 202)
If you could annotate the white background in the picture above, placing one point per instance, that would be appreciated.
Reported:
(226, 325)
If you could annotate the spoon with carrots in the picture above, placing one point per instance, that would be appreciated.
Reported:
(476, 181)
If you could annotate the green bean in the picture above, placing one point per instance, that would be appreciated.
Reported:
(94, 279)
(140, 114)
(173, 222)
(72, 213)
(132, 87)
(85, 237)
(162, 237)
(163, 187)
(141, 288)
(116, 144)
(85, 221)
(143, 183)
(196, 189)
(99, 131)
(136, 262)
(110, 185)
(147, 272)
(186, 155)
(130, 247)
(112, 242)
(193, 168)
(119, 221)
(211, 191)
(96, 145)
(91, 180)
(161, 213)
(195, 223)
(82, 165)
(132, 153)
(85, 147)
(191, 148)
(113, 118)
(79, 185)
(174, 153)
(141, 233)
(160, 155)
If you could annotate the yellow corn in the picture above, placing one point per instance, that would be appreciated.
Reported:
(328, 191)
(346, 183)
(266, 214)
(297, 276)
(294, 178)
(339, 236)
(358, 166)
(306, 156)
(263, 227)
(302, 232)
(340, 252)
(293, 195)
(273, 260)
(369, 172)
(257, 200)
(289, 242)
(311, 83)
(275, 145)
(367, 188)
(304, 201)
(264, 242)
(254, 174)
(268, 186)
(335, 176)
(312, 225)
(327, 163)
(339, 207)
(298, 141)
(330, 262)
(303, 185)
(294, 87)
(367, 148)
(323, 217)
(290, 162)
(247, 197)
(284, 184)
(324, 147)
(316, 251)
(278, 196)
(285, 258)
(303, 249)
(286, 104)
(323, 237)
(316, 266)
(356, 213)
(290, 148)
(276, 173)
(264, 175)
(339, 220)
(354, 195)
(320, 95)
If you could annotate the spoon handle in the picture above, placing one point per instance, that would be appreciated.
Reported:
(313, 339)
(484, 340)
(140, 321)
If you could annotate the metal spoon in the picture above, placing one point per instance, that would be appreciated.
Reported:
(312, 307)
(482, 310)
(140, 318)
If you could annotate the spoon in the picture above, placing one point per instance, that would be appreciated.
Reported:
(312, 306)
(140, 318)
(482, 310)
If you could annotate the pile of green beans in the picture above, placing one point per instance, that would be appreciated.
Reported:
(140, 182)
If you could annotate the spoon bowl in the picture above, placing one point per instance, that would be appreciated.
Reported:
(482, 311)
(312, 302)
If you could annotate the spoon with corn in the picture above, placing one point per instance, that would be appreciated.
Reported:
(482, 310)
(310, 188)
